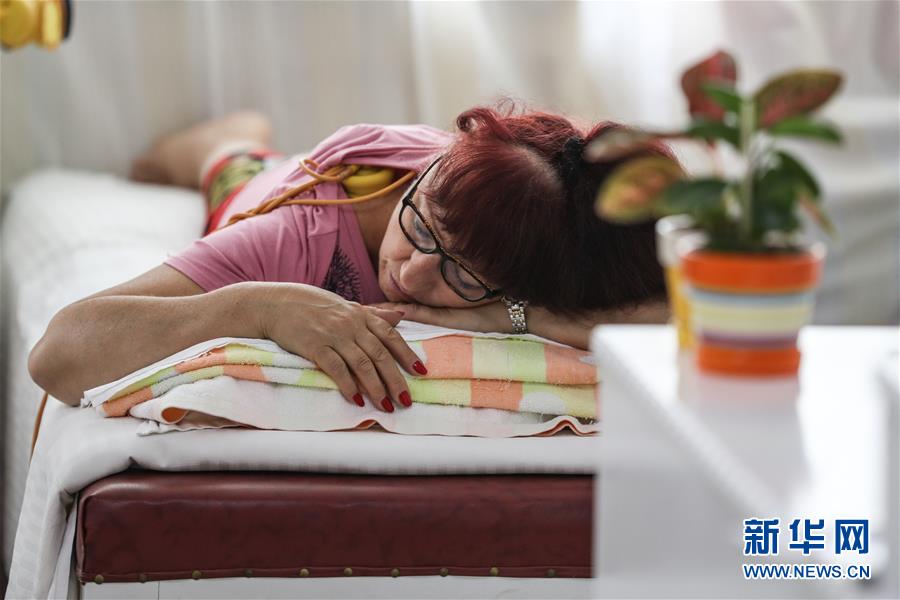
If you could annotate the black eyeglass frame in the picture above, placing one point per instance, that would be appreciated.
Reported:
(445, 256)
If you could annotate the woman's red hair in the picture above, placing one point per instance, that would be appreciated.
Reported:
(519, 208)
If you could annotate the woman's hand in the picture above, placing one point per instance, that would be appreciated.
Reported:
(355, 345)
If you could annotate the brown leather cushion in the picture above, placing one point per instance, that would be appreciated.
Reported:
(147, 525)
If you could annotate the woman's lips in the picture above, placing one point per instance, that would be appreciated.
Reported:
(405, 297)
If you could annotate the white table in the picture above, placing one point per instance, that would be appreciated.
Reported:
(686, 456)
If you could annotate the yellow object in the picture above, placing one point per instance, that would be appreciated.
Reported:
(672, 231)
(51, 25)
(681, 310)
(43, 22)
(368, 180)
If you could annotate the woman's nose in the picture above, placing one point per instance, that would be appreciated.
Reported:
(419, 270)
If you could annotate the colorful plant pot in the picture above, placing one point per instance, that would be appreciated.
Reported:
(669, 232)
(747, 310)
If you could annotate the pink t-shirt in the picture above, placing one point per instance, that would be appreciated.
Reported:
(317, 245)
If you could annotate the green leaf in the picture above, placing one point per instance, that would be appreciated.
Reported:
(770, 218)
(630, 192)
(723, 95)
(714, 130)
(701, 198)
(800, 172)
(807, 128)
(775, 198)
(807, 190)
(795, 93)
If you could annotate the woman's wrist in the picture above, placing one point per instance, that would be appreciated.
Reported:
(574, 332)
(247, 307)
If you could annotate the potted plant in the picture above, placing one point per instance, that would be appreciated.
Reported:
(750, 278)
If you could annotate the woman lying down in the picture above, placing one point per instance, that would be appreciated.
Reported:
(488, 229)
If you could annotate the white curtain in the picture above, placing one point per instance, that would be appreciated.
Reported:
(134, 70)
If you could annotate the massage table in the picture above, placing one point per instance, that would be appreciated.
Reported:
(344, 514)
(295, 526)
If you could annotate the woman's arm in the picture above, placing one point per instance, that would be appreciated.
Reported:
(494, 317)
(115, 332)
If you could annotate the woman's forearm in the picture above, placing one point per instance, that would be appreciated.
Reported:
(574, 332)
(577, 332)
(101, 339)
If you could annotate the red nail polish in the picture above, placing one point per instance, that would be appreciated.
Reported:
(405, 399)
(358, 399)
(419, 368)
(388, 405)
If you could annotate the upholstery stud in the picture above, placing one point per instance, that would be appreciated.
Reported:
(142, 578)
(395, 572)
(98, 579)
(495, 571)
(445, 571)
(551, 572)
(348, 571)
(196, 574)
(304, 572)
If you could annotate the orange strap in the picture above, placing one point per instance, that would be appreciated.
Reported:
(337, 174)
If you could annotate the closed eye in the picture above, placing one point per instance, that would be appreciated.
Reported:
(420, 229)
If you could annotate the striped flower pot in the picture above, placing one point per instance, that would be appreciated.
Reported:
(748, 309)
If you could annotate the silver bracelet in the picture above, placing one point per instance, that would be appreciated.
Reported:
(516, 309)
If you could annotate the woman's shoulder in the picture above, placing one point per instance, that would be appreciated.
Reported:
(383, 138)
(411, 129)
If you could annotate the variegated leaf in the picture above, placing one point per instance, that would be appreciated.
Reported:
(795, 93)
(630, 192)
(719, 68)
(617, 143)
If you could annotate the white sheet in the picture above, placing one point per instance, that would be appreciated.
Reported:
(77, 446)
(66, 235)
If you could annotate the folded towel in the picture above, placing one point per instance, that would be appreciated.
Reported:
(509, 374)
(462, 371)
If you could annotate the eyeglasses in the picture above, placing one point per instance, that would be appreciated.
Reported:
(461, 279)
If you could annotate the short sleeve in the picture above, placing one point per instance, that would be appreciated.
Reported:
(276, 246)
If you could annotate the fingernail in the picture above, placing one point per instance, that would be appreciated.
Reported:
(405, 399)
(358, 399)
(387, 404)
(419, 368)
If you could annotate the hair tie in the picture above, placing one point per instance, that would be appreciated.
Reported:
(570, 159)
(573, 149)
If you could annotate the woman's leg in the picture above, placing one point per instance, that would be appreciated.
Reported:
(180, 158)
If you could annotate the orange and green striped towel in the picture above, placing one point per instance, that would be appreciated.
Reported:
(506, 373)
